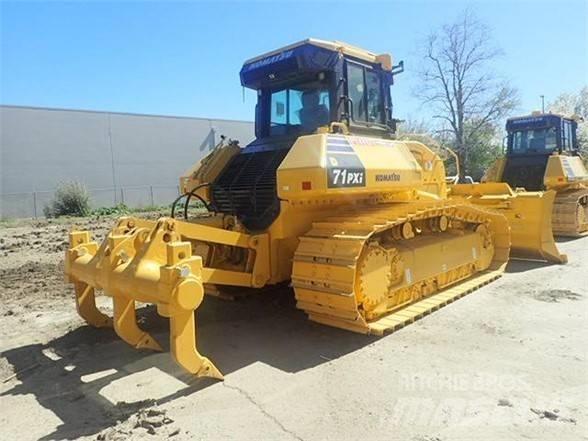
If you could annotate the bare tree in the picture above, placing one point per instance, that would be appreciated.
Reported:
(411, 126)
(459, 86)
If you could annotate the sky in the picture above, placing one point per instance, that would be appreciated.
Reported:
(183, 58)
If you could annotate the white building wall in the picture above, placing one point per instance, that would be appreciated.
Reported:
(107, 151)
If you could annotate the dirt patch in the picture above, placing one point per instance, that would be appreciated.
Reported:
(31, 261)
(552, 415)
(152, 421)
(34, 282)
(555, 295)
(47, 236)
(503, 402)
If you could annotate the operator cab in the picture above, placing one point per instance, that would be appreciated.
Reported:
(531, 140)
(301, 89)
(308, 85)
(541, 134)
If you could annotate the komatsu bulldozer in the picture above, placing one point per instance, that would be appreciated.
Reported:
(542, 153)
(360, 224)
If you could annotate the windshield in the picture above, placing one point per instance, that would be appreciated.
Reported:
(534, 140)
(299, 109)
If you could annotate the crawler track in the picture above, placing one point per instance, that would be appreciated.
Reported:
(364, 271)
(570, 213)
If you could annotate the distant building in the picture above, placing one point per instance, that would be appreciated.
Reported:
(108, 151)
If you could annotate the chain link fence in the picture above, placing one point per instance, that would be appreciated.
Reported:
(31, 204)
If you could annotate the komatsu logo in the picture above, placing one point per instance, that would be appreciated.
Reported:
(269, 60)
(389, 177)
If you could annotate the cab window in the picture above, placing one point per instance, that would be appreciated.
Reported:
(279, 114)
(374, 98)
(365, 92)
(356, 92)
(534, 140)
(567, 137)
(299, 109)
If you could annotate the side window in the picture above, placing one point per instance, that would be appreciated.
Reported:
(324, 99)
(374, 98)
(365, 92)
(279, 114)
(295, 106)
(356, 91)
(566, 134)
(551, 138)
(519, 142)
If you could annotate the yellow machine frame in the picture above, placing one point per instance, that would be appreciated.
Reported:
(172, 263)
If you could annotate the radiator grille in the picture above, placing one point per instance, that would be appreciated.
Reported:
(247, 188)
(526, 172)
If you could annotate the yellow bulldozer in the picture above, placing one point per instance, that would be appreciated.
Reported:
(362, 225)
(542, 153)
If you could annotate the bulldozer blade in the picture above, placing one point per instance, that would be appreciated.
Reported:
(142, 261)
(529, 215)
(530, 225)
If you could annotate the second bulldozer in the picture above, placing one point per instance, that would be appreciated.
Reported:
(360, 224)
(543, 154)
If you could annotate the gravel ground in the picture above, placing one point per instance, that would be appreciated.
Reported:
(508, 361)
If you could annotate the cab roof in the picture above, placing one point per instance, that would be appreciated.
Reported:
(385, 60)
(536, 120)
(306, 58)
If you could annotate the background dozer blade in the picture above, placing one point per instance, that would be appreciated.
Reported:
(147, 262)
(530, 225)
(529, 215)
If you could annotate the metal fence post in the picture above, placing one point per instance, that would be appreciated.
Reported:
(151, 192)
(35, 204)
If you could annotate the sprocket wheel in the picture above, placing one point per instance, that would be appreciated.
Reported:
(380, 269)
